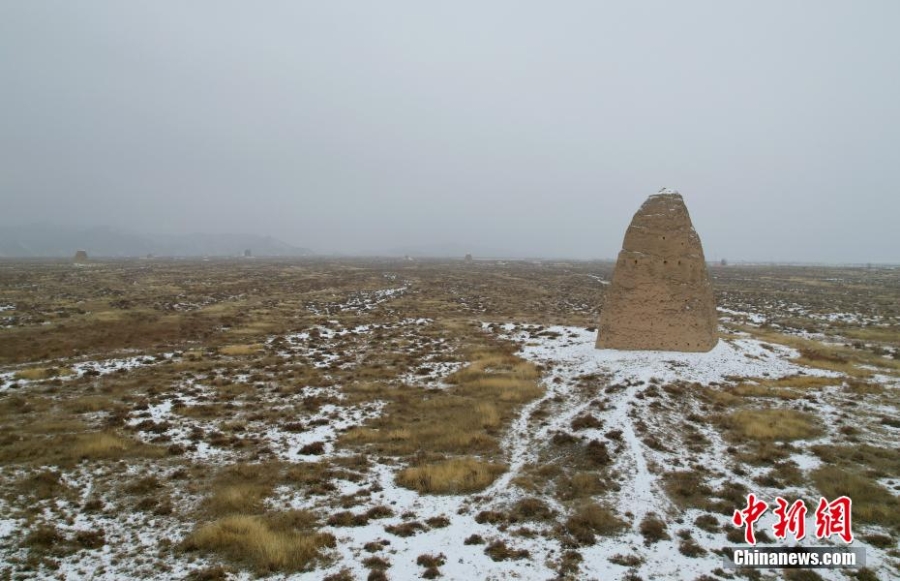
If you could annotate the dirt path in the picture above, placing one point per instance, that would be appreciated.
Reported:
(569, 362)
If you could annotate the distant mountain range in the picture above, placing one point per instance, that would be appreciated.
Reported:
(42, 240)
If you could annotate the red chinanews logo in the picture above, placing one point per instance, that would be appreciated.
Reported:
(832, 518)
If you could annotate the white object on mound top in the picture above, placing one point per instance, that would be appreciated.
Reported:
(667, 191)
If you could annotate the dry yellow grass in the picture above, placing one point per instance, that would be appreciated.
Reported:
(820, 361)
(772, 425)
(503, 376)
(488, 415)
(89, 403)
(243, 498)
(212, 410)
(458, 431)
(593, 519)
(721, 397)
(230, 391)
(99, 445)
(254, 330)
(107, 316)
(864, 387)
(456, 476)
(240, 350)
(793, 387)
(861, 457)
(37, 373)
(250, 540)
(827, 356)
(462, 419)
(871, 502)
(241, 488)
(487, 363)
(754, 390)
(799, 382)
(508, 389)
(870, 334)
(570, 486)
(401, 435)
(220, 308)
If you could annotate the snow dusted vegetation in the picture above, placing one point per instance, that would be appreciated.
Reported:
(571, 356)
(370, 424)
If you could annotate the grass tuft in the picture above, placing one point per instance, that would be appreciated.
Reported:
(240, 350)
(240, 498)
(773, 425)
(590, 520)
(872, 504)
(250, 540)
(100, 445)
(456, 476)
(462, 419)
(38, 373)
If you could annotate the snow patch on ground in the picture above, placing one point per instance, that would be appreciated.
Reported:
(360, 302)
(599, 279)
(290, 445)
(463, 561)
(103, 367)
(754, 318)
(729, 358)
(8, 526)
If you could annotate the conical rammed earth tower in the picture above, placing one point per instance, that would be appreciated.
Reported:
(660, 297)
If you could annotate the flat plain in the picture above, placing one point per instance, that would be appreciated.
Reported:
(398, 419)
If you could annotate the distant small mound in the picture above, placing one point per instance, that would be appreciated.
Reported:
(81, 257)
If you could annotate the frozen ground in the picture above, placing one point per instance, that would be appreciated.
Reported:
(569, 355)
(645, 398)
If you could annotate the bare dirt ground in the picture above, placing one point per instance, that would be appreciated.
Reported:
(372, 419)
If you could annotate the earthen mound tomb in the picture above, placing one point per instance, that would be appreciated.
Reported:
(660, 297)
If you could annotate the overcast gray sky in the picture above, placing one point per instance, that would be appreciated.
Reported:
(530, 127)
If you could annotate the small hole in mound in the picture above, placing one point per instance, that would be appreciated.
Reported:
(635, 261)
(665, 262)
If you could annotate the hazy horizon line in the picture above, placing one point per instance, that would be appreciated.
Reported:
(421, 250)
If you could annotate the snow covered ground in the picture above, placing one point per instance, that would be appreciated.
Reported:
(646, 408)
(11, 379)
(572, 355)
(569, 354)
